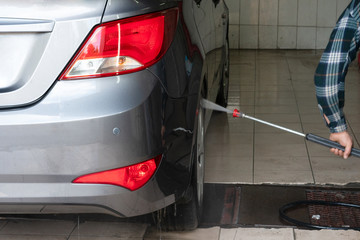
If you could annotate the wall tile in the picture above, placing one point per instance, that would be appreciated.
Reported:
(322, 37)
(249, 37)
(340, 7)
(268, 12)
(306, 38)
(287, 37)
(284, 24)
(288, 12)
(326, 14)
(267, 37)
(249, 12)
(307, 10)
(234, 36)
(234, 11)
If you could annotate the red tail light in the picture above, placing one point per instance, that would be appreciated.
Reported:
(124, 46)
(131, 177)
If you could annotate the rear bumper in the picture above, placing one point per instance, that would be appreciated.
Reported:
(81, 127)
(45, 198)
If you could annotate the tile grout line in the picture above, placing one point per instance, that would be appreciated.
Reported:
(254, 132)
(77, 226)
(294, 235)
(301, 123)
(353, 133)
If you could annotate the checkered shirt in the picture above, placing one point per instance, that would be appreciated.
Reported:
(332, 68)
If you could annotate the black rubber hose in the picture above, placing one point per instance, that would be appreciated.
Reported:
(283, 209)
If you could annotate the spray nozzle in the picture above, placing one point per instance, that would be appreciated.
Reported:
(236, 113)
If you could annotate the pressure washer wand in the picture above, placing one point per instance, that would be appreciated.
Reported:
(311, 137)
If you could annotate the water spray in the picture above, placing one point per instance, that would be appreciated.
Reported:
(310, 137)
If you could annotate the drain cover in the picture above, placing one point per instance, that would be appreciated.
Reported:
(333, 215)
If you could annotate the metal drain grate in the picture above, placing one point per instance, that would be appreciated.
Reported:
(334, 216)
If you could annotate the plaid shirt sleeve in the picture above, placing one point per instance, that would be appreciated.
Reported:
(332, 68)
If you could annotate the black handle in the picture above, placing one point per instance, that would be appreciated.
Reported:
(328, 143)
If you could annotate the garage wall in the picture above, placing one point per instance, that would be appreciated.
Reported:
(282, 24)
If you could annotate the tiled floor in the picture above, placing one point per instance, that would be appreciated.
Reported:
(67, 230)
(277, 86)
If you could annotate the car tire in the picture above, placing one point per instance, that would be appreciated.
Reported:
(185, 215)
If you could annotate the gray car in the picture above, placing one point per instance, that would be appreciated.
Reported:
(100, 105)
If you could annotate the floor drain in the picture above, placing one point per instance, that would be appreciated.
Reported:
(337, 216)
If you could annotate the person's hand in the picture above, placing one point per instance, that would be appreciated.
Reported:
(344, 139)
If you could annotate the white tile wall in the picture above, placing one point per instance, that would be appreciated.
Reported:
(249, 37)
(288, 12)
(340, 6)
(268, 11)
(322, 37)
(287, 37)
(326, 13)
(306, 37)
(268, 37)
(283, 24)
(307, 13)
(249, 12)
(234, 33)
(234, 12)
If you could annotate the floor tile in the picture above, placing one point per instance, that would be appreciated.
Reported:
(226, 234)
(287, 177)
(226, 150)
(232, 145)
(247, 87)
(279, 118)
(273, 88)
(229, 169)
(284, 150)
(259, 234)
(336, 177)
(233, 126)
(290, 163)
(100, 238)
(110, 229)
(326, 234)
(291, 108)
(318, 128)
(197, 234)
(263, 128)
(33, 237)
(312, 118)
(222, 176)
(38, 227)
(279, 145)
(3, 222)
(335, 170)
(228, 163)
(276, 102)
(317, 150)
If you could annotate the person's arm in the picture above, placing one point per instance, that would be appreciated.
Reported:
(330, 78)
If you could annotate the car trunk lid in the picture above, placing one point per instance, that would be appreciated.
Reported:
(37, 39)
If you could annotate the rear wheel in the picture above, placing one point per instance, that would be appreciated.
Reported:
(185, 215)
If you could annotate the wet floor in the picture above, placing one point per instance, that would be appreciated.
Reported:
(277, 86)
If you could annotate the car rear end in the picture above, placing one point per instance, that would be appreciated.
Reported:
(82, 106)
